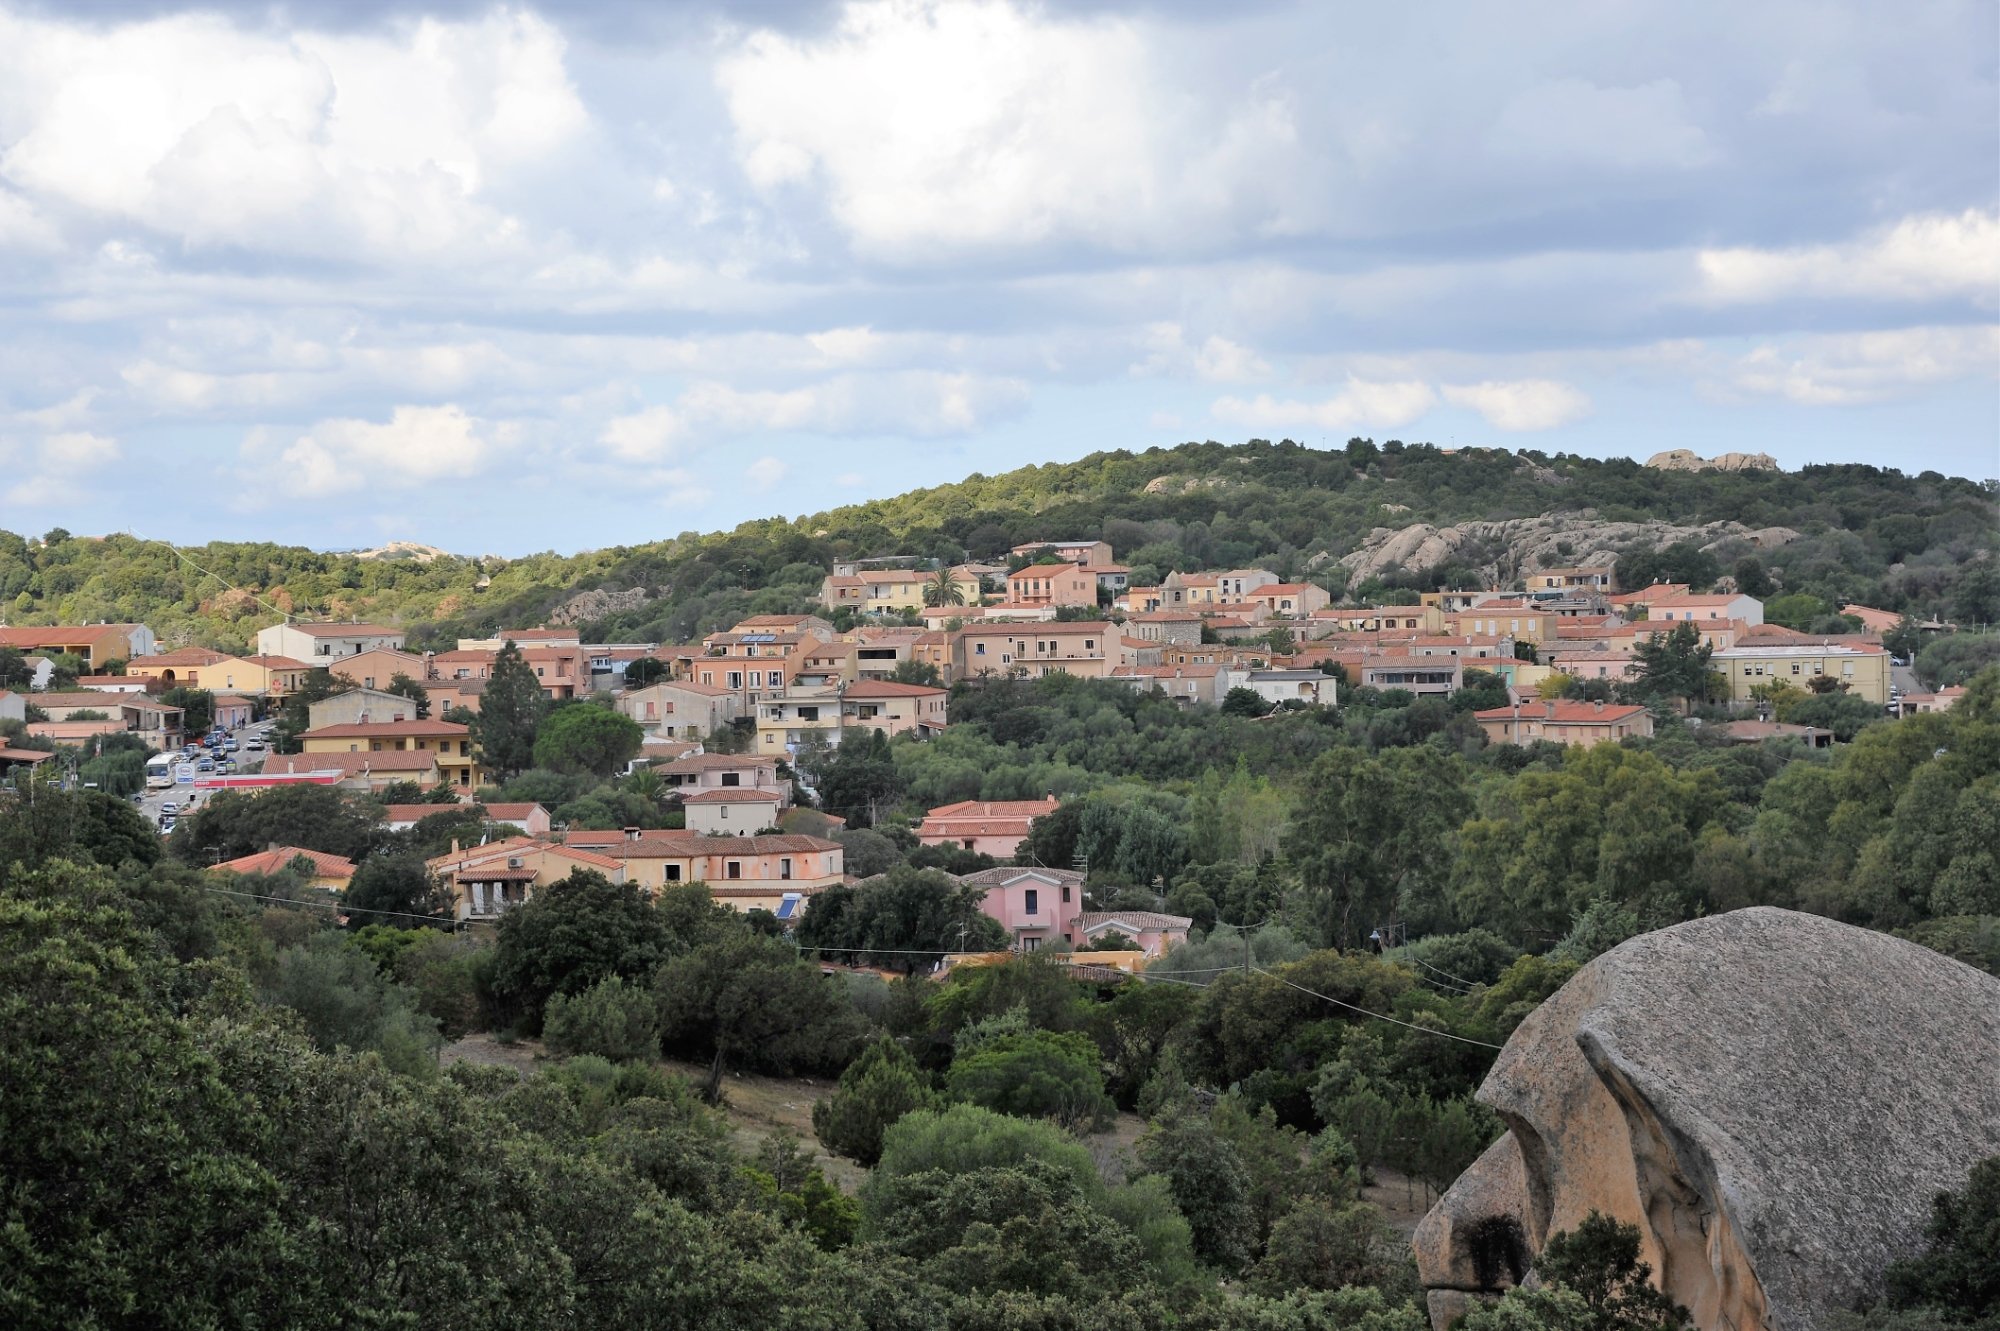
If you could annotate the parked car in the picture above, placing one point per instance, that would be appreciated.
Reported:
(205, 765)
(169, 809)
(253, 743)
(229, 745)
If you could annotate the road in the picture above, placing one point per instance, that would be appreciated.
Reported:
(246, 761)
(1904, 678)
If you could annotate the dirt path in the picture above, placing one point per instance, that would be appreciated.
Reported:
(1402, 1201)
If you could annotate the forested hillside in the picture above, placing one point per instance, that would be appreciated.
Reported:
(1922, 543)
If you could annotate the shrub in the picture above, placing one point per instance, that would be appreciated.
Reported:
(611, 1018)
(1034, 1074)
(876, 1090)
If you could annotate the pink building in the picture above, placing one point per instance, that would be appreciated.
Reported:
(1145, 931)
(1035, 905)
(990, 827)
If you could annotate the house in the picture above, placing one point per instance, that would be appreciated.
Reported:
(524, 639)
(1571, 579)
(1579, 723)
(1089, 554)
(723, 771)
(12, 758)
(1289, 600)
(778, 872)
(878, 651)
(1052, 584)
(373, 669)
(1312, 688)
(1378, 619)
(739, 811)
(1762, 732)
(531, 818)
(360, 706)
(92, 644)
(233, 711)
(1689, 607)
(680, 709)
(989, 827)
(1943, 700)
(1510, 617)
(13, 707)
(1092, 649)
(362, 771)
(1425, 676)
(1641, 601)
(1033, 904)
(449, 742)
(893, 708)
(1190, 685)
(200, 668)
(1175, 626)
(316, 644)
(487, 881)
(41, 670)
(875, 591)
(1857, 662)
(117, 684)
(331, 872)
(1872, 620)
(159, 724)
(1146, 931)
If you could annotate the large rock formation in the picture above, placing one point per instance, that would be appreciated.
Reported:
(1773, 1098)
(1505, 550)
(1681, 459)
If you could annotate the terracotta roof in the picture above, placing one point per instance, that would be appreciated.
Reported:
(670, 844)
(1166, 616)
(276, 662)
(412, 813)
(411, 729)
(1279, 589)
(270, 861)
(512, 812)
(99, 698)
(886, 688)
(195, 656)
(13, 755)
(734, 795)
(1004, 874)
(1563, 713)
(583, 856)
(995, 809)
(1136, 919)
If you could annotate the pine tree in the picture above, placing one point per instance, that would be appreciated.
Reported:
(510, 711)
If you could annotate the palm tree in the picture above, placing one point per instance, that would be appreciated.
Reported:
(943, 589)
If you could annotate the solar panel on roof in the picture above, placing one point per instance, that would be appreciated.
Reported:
(758, 637)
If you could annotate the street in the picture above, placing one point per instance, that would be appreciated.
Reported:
(246, 761)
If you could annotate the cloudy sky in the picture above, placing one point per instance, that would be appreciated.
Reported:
(505, 279)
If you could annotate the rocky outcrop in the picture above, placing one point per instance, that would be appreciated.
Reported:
(1506, 550)
(1680, 459)
(1772, 1098)
(596, 603)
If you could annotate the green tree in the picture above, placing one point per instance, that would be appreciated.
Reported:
(861, 779)
(1959, 1273)
(397, 886)
(1673, 665)
(573, 934)
(295, 719)
(510, 713)
(748, 1000)
(1034, 1074)
(1599, 1260)
(345, 1003)
(584, 737)
(876, 1090)
(197, 708)
(1244, 702)
(323, 818)
(906, 918)
(647, 670)
(943, 590)
(612, 1019)
(1751, 577)
(414, 690)
(1205, 1173)
(1370, 829)
(916, 672)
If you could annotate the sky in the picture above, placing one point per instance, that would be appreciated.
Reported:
(504, 279)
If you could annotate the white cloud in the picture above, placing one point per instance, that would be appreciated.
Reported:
(936, 126)
(1855, 368)
(765, 473)
(65, 468)
(1217, 360)
(1520, 404)
(1919, 258)
(415, 446)
(301, 142)
(650, 435)
(1363, 403)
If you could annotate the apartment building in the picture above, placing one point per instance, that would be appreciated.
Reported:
(680, 709)
(1578, 723)
(1859, 663)
(1092, 649)
(315, 644)
(449, 743)
(1052, 584)
(92, 644)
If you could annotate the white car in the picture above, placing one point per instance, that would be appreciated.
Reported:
(169, 809)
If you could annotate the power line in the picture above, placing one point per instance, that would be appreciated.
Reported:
(326, 905)
(1380, 1016)
(182, 555)
(1455, 979)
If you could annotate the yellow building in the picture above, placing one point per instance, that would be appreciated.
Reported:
(452, 743)
(1864, 669)
(201, 668)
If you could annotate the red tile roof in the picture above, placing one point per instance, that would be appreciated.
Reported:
(1564, 713)
(346, 630)
(734, 795)
(271, 861)
(411, 729)
(352, 764)
(886, 688)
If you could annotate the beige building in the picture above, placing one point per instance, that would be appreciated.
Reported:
(360, 707)
(1092, 649)
(737, 812)
(680, 709)
(373, 669)
(449, 743)
(1578, 723)
(1859, 664)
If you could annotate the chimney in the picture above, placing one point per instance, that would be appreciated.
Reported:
(631, 834)
(1550, 709)
(1600, 706)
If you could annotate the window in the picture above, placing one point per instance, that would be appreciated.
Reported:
(785, 867)
(671, 874)
(1065, 895)
(735, 679)
(732, 778)
(1089, 644)
(1033, 900)
(725, 812)
(1030, 944)
(756, 679)
(979, 649)
(777, 679)
(734, 869)
(808, 713)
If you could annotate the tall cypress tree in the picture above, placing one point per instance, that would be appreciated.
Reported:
(510, 710)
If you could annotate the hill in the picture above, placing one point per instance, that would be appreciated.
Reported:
(1923, 543)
